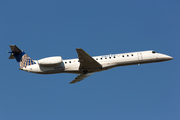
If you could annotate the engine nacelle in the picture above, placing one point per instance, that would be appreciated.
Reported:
(50, 61)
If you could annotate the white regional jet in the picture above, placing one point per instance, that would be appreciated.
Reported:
(84, 65)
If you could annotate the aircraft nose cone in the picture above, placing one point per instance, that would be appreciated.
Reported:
(168, 57)
(165, 57)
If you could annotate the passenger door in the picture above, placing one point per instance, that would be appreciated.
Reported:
(140, 58)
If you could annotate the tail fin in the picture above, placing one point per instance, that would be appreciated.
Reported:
(21, 57)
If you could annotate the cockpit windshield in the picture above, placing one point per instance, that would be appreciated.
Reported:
(153, 52)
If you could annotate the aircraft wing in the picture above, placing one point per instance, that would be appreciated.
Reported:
(80, 77)
(86, 61)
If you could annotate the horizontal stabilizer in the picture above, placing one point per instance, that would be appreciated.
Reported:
(15, 49)
(11, 56)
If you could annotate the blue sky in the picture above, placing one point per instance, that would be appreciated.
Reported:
(100, 27)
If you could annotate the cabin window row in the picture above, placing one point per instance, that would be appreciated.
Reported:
(105, 58)
(67, 62)
(115, 57)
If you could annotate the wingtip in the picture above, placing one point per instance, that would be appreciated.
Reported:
(71, 83)
(78, 48)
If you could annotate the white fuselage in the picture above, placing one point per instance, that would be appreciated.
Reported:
(107, 62)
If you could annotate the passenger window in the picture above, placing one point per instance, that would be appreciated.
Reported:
(105, 58)
(122, 55)
(127, 55)
(65, 62)
(96, 58)
(69, 61)
(101, 58)
(131, 54)
(109, 57)
(114, 56)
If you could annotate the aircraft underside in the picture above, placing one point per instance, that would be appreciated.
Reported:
(85, 65)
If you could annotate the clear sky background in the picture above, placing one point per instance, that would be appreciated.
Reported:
(100, 27)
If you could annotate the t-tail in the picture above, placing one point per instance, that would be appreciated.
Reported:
(21, 57)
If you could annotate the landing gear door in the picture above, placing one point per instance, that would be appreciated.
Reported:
(140, 58)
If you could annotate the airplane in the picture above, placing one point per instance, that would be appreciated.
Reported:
(84, 65)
